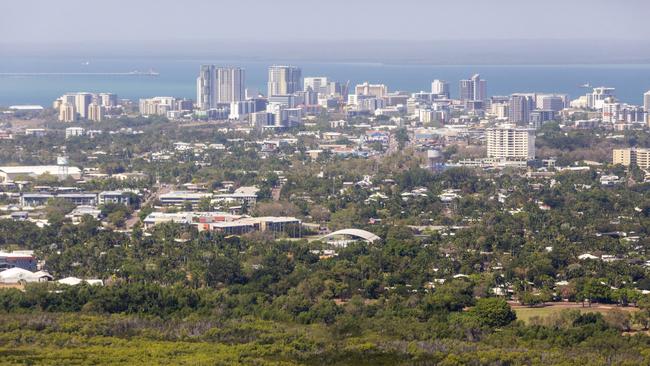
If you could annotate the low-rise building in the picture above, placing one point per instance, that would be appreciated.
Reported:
(80, 211)
(10, 173)
(74, 132)
(183, 197)
(34, 199)
(156, 218)
(237, 198)
(18, 259)
(118, 197)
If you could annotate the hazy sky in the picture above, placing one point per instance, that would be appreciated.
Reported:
(279, 20)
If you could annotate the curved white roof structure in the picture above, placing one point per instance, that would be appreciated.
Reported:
(17, 275)
(358, 233)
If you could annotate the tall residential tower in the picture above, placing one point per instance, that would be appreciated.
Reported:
(284, 80)
(473, 89)
(217, 85)
(440, 87)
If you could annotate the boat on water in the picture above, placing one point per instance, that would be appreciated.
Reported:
(151, 72)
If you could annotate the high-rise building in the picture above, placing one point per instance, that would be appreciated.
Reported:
(597, 97)
(231, 84)
(81, 103)
(96, 112)
(319, 84)
(440, 87)
(157, 106)
(510, 143)
(520, 106)
(374, 90)
(538, 117)
(627, 157)
(284, 80)
(611, 110)
(72, 106)
(206, 88)
(67, 112)
(646, 105)
(241, 109)
(473, 89)
(107, 99)
(552, 102)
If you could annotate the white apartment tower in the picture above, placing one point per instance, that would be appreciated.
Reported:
(597, 97)
(206, 88)
(440, 87)
(510, 143)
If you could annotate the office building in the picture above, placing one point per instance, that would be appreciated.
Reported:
(553, 102)
(538, 117)
(510, 143)
(374, 90)
(307, 97)
(241, 109)
(287, 101)
(284, 80)
(519, 108)
(473, 89)
(440, 88)
(627, 157)
(318, 84)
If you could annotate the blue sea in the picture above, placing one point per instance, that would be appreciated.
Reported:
(177, 77)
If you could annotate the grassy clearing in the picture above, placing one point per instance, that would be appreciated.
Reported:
(526, 313)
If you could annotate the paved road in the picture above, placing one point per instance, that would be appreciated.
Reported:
(160, 190)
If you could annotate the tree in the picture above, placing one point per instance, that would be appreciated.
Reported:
(402, 137)
(493, 312)
(57, 208)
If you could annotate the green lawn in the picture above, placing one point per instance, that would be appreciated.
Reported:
(525, 314)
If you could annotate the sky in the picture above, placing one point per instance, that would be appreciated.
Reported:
(70, 21)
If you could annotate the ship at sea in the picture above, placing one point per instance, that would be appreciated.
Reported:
(151, 72)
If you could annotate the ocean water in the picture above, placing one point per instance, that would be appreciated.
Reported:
(177, 77)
